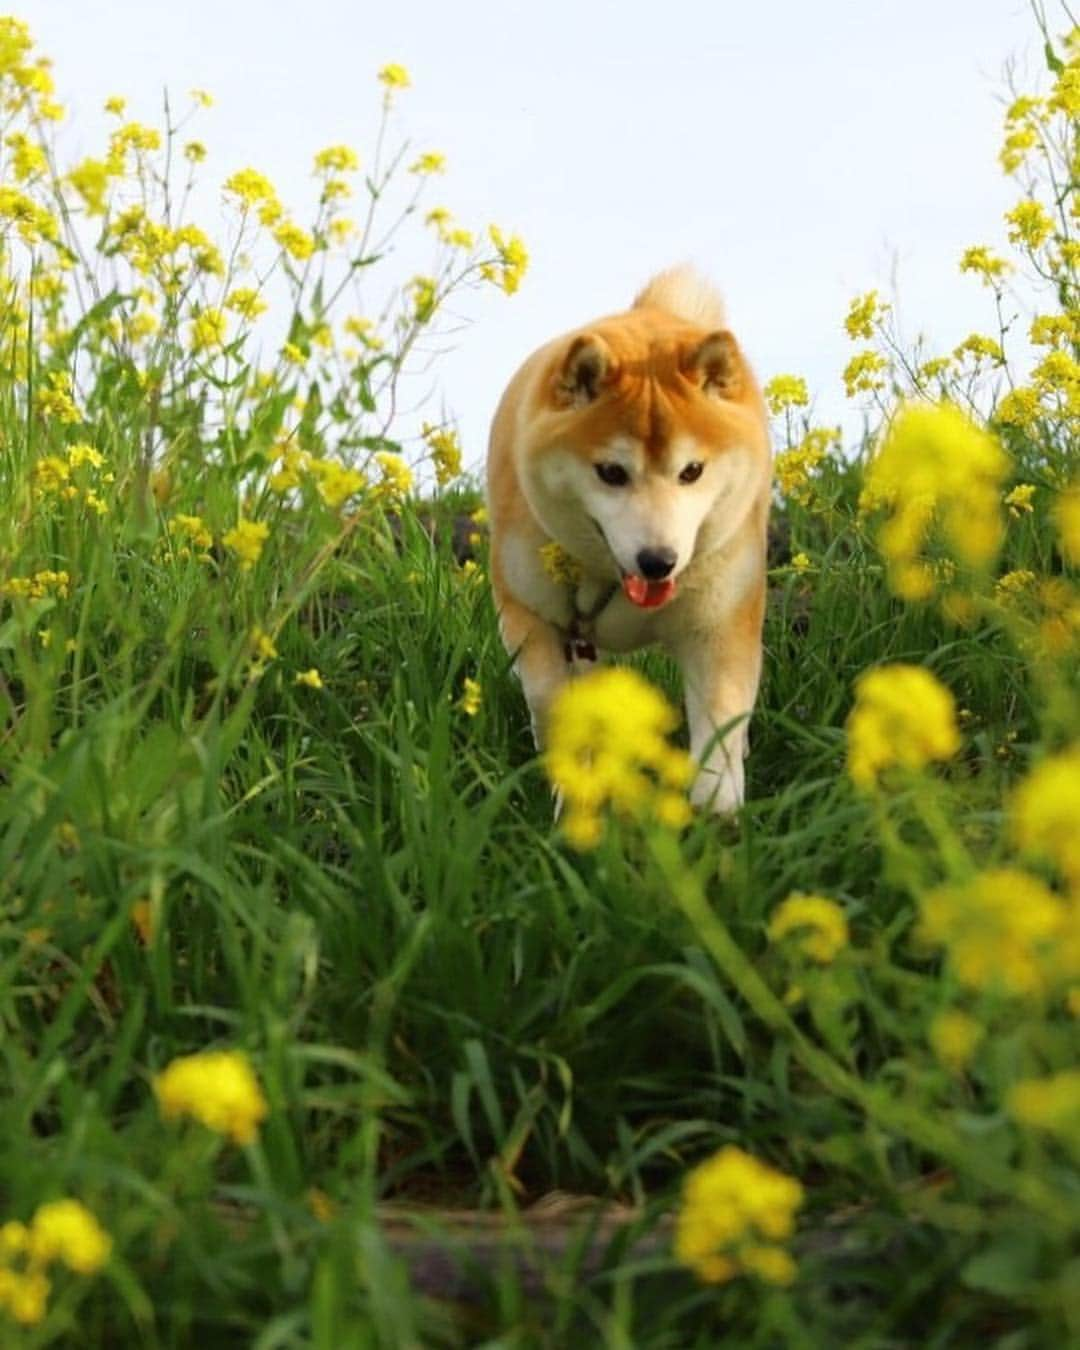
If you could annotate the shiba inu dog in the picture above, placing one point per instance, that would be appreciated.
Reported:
(638, 445)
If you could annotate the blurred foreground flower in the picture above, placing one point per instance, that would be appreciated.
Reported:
(902, 717)
(216, 1087)
(735, 1212)
(1003, 930)
(935, 467)
(607, 746)
(816, 926)
(61, 1230)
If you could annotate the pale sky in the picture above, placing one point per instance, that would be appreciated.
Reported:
(798, 151)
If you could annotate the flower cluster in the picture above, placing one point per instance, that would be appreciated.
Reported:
(61, 1231)
(607, 746)
(935, 468)
(736, 1212)
(902, 718)
(1003, 930)
(217, 1088)
(816, 927)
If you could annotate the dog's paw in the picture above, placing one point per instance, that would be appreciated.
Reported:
(721, 793)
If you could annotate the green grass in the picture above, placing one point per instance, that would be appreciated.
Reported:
(361, 887)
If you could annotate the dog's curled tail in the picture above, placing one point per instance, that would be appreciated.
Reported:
(684, 292)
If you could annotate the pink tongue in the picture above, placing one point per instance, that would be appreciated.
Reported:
(647, 594)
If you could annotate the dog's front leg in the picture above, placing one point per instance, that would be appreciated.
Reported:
(721, 670)
(539, 656)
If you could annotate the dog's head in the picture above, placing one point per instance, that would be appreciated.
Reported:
(647, 450)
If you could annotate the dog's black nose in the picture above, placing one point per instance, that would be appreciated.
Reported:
(656, 563)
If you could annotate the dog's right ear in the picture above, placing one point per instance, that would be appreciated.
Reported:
(588, 367)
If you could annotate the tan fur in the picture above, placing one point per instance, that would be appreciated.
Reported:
(653, 390)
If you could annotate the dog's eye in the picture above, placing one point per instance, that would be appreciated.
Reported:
(614, 475)
(692, 472)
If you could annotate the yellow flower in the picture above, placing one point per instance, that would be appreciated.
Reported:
(1013, 584)
(801, 562)
(192, 529)
(954, 1037)
(980, 260)
(311, 678)
(819, 924)
(395, 76)
(263, 644)
(246, 540)
(245, 301)
(115, 105)
(559, 565)
(35, 224)
(999, 930)
(513, 260)
(195, 152)
(1019, 408)
(208, 329)
(792, 468)
(202, 98)
(51, 473)
(1044, 812)
(65, 1230)
(735, 1211)
(54, 399)
(217, 1088)
(445, 452)
(336, 482)
(1051, 1104)
(1030, 224)
(607, 744)
(397, 476)
(430, 162)
(865, 311)
(936, 464)
(425, 297)
(337, 159)
(902, 717)
(471, 697)
(1018, 500)
(980, 348)
(1067, 517)
(786, 391)
(25, 1295)
(296, 242)
(862, 372)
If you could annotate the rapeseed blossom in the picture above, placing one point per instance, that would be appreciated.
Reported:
(1051, 1104)
(1000, 930)
(1044, 812)
(903, 718)
(818, 926)
(785, 391)
(954, 1037)
(735, 1213)
(246, 540)
(559, 565)
(935, 466)
(217, 1088)
(471, 697)
(311, 678)
(607, 746)
(61, 1231)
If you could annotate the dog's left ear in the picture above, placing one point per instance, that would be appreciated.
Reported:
(717, 362)
(587, 369)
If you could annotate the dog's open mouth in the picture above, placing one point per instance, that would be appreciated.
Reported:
(647, 594)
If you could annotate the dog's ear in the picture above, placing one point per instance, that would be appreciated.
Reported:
(717, 362)
(586, 370)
